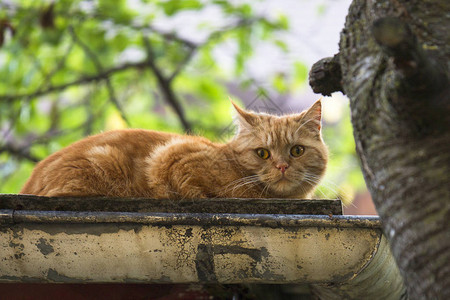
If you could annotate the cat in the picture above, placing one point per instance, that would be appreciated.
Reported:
(269, 157)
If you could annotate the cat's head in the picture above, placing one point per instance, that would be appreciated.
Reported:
(285, 153)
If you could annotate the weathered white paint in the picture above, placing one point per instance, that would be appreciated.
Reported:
(75, 252)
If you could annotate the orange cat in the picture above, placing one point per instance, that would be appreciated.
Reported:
(270, 157)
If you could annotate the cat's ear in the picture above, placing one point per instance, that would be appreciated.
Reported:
(313, 116)
(245, 119)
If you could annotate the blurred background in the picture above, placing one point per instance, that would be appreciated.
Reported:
(69, 69)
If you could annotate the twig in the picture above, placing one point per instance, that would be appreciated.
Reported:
(192, 46)
(22, 150)
(80, 81)
(165, 35)
(165, 86)
(59, 66)
(182, 64)
(99, 67)
(19, 152)
(325, 76)
(102, 75)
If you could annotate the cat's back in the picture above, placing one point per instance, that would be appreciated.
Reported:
(103, 164)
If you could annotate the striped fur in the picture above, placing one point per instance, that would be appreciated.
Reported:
(144, 163)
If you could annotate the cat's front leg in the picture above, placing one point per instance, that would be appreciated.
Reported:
(180, 169)
(192, 193)
(189, 187)
(175, 185)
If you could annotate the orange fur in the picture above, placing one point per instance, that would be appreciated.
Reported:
(144, 163)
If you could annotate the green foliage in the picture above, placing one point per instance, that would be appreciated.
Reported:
(173, 6)
(321, 9)
(72, 68)
(300, 73)
(343, 178)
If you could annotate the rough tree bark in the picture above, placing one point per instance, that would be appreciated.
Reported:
(394, 66)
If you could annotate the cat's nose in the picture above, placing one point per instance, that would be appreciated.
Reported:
(282, 167)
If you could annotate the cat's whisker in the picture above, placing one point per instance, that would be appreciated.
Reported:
(322, 193)
(244, 184)
(225, 159)
(239, 183)
(302, 189)
(314, 181)
(333, 187)
(312, 176)
(339, 192)
(330, 188)
(329, 185)
(244, 179)
(265, 190)
(350, 204)
(248, 188)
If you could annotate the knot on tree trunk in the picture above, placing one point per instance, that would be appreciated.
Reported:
(421, 74)
(325, 76)
(420, 85)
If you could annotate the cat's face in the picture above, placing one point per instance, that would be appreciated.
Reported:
(286, 154)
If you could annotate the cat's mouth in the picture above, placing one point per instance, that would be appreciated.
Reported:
(282, 183)
(282, 186)
(283, 178)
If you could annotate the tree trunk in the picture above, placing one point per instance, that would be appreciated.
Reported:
(394, 62)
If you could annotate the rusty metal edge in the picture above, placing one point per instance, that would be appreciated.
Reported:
(6, 216)
(212, 205)
(201, 219)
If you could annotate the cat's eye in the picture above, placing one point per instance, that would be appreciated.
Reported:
(297, 151)
(263, 153)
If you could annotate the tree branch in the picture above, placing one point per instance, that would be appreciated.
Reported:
(104, 74)
(19, 152)
(165, 35)
(99, 67)
(169, 36)
(325, 76)
(165, 86)
(21, 149)
(58, 67)
(182, 64)
(80, 81)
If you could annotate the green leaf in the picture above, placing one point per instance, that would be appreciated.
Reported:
(282, 45)
(245, 10)
(279, 83)
(300, 73)
(283, 22)
(244, 37)
(116, 10)
(321, 9)
(172, 7)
